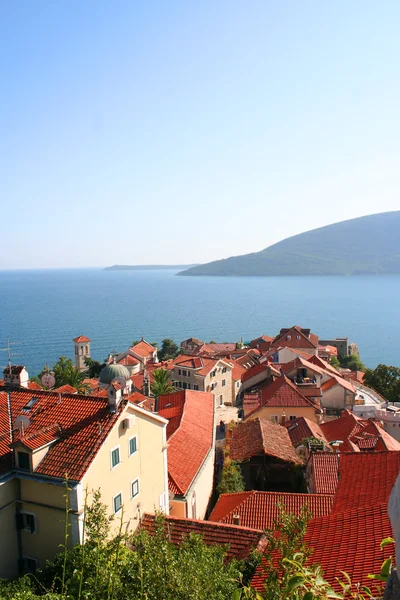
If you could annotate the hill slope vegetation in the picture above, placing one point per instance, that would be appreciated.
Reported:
(366, 245)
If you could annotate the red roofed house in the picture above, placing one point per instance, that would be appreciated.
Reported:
(301, 429)
(348, 539)
(358, 434)
(98, 443)
(337, 393)
(259, 510)
(297, 338)
(262, 343)
(279, 402)
(142, 351)
(82, 351)
(191, 446)
(239, 540)
(204, 374)
(267, 458)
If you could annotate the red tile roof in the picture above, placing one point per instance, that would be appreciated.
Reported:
(317, 360)
(40, 437)
(366, 479)
(81, 339)
(65, 389)
(237, 370)
(345, 542)
(262, 437)
(218, 348)
(143, 349)
(190, 443)
(32, 385)
(240, 540)
(324, 472)
(348, 538)
(281, 393)
(305, 341)
(170, 406)
(202, 364)
(259, 510)
(85, 422)
(301, 428)
(256, 370)
(128, 361)
(338, 381)
(347, 425)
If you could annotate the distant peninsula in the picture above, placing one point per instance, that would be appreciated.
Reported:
(364, 246)
(146, 267)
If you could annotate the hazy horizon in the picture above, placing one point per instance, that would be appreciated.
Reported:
(132, 131)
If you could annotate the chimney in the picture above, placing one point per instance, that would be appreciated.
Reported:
(236, 519)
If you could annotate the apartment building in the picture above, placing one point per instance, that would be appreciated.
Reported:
(105, 443)
(204, 374)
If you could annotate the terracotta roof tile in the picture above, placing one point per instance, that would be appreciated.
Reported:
(128, 361)
(302, 428)
(190, 443)
(261, 436)
(256, 370)
(345, 542)
(366, 479)
(259, 510)
(143, 349)
(85, 422)
(81, 339)
(295, 332)
(281, 393)
(240, 540)
(338, 381)
(324, 472)
(65, 389)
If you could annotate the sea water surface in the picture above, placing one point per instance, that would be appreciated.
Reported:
(43, 310)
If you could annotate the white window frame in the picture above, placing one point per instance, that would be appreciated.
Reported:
(138, 484)
(134, 437)
(122, 502)
(111, 457)
(196, 387)
(26, 512)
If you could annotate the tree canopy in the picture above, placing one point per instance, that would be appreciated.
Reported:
(161, 383)
(385, 380)
(352, 362)
(168, 350)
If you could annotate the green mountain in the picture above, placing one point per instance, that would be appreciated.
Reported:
(367, 245)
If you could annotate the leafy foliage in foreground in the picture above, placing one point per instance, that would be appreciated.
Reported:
(150, 567)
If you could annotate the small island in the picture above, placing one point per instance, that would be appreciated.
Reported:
(147, 267)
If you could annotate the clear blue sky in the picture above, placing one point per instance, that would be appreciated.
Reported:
(179, 132)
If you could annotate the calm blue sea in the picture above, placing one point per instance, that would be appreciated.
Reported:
(43, 310)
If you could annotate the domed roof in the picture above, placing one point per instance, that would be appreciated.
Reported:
(110, 372)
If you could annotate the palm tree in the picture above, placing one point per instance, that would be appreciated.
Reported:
(75, 378)
(161, 383)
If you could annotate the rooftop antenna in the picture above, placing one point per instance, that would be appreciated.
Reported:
(8, 349)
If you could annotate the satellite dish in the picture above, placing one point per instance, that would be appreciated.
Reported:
(48, 380)
(121, 381)
(22, 422)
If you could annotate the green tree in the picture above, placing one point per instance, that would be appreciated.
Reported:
(94, 366)
(352, 362)
(161, 383)
(168, 350)
(66, 374)
(231, 478)
(335, 362)
(385, 380)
